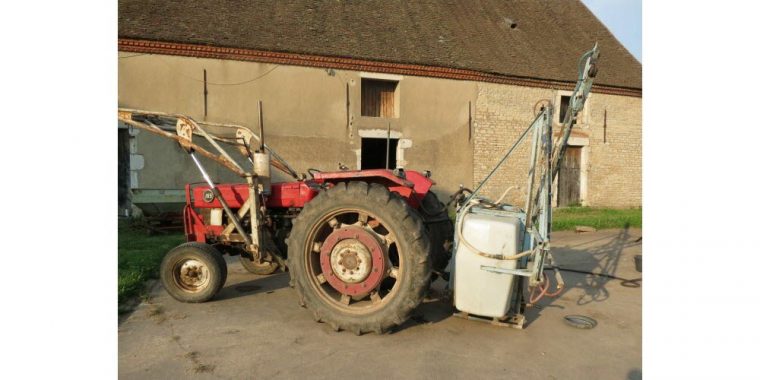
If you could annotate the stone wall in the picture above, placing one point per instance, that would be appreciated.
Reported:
(305, 116)
(306, 122)
(615, 166)
(611, 171)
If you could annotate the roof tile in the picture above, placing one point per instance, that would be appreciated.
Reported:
(524, 38)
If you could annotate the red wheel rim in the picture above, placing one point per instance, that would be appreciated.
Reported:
(375, 271)
(377, 244)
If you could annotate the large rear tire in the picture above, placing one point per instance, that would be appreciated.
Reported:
(193, 272)
(358, 256)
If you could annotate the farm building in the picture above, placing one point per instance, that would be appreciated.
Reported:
(456, 82)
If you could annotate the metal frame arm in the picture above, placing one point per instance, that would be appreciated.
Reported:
(185, 128)
(194, 127)
(185, 143)
(586, 73)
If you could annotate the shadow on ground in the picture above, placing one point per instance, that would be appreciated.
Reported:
(255, 328)
(586, 253)
(436, 307)
(600, 253)
(253, 287)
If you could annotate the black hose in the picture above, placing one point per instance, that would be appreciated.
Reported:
(629, 283)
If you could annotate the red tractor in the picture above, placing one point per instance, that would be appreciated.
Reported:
(361, 246)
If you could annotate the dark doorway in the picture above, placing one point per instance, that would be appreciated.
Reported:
(374, 152)
(569, 182)
(123, 175)
(564, 104)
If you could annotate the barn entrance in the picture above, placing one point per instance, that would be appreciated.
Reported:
(374, 152)
(569, 181)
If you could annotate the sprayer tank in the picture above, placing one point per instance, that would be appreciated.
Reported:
(478, 291)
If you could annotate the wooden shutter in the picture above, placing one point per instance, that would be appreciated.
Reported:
(387, 96)
(378, 98)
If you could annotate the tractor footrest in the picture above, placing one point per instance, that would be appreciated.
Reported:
(513, 321)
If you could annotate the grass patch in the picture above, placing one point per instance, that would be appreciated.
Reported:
(567, 218)
(600, 218)
(140, 256)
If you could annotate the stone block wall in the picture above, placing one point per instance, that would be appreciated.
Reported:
(612, 169)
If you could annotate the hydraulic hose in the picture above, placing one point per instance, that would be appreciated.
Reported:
(544, 288)
(535, 298)
(504, 194)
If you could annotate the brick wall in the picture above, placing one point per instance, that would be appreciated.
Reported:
(615, 166)
(613, 169)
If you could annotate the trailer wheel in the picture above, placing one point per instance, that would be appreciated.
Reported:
(193, 272)
(440, 228)
(358, 255)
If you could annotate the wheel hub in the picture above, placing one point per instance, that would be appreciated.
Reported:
(193, 275)
(352, 260)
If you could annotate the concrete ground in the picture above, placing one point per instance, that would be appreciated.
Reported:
(255, 329)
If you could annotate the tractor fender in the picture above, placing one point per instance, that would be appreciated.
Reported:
(411, 185)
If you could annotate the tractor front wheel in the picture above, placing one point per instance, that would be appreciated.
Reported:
(359, 258)
(193, 272)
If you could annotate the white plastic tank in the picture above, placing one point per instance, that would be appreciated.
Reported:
(477, 291)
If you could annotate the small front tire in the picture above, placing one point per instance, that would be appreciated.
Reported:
(193, 272)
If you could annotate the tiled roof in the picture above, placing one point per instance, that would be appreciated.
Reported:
(537, 39)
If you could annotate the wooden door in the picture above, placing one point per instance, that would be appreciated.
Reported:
(569, 182)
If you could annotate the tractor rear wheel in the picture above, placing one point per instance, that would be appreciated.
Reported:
(193, 272)
(359, 258)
